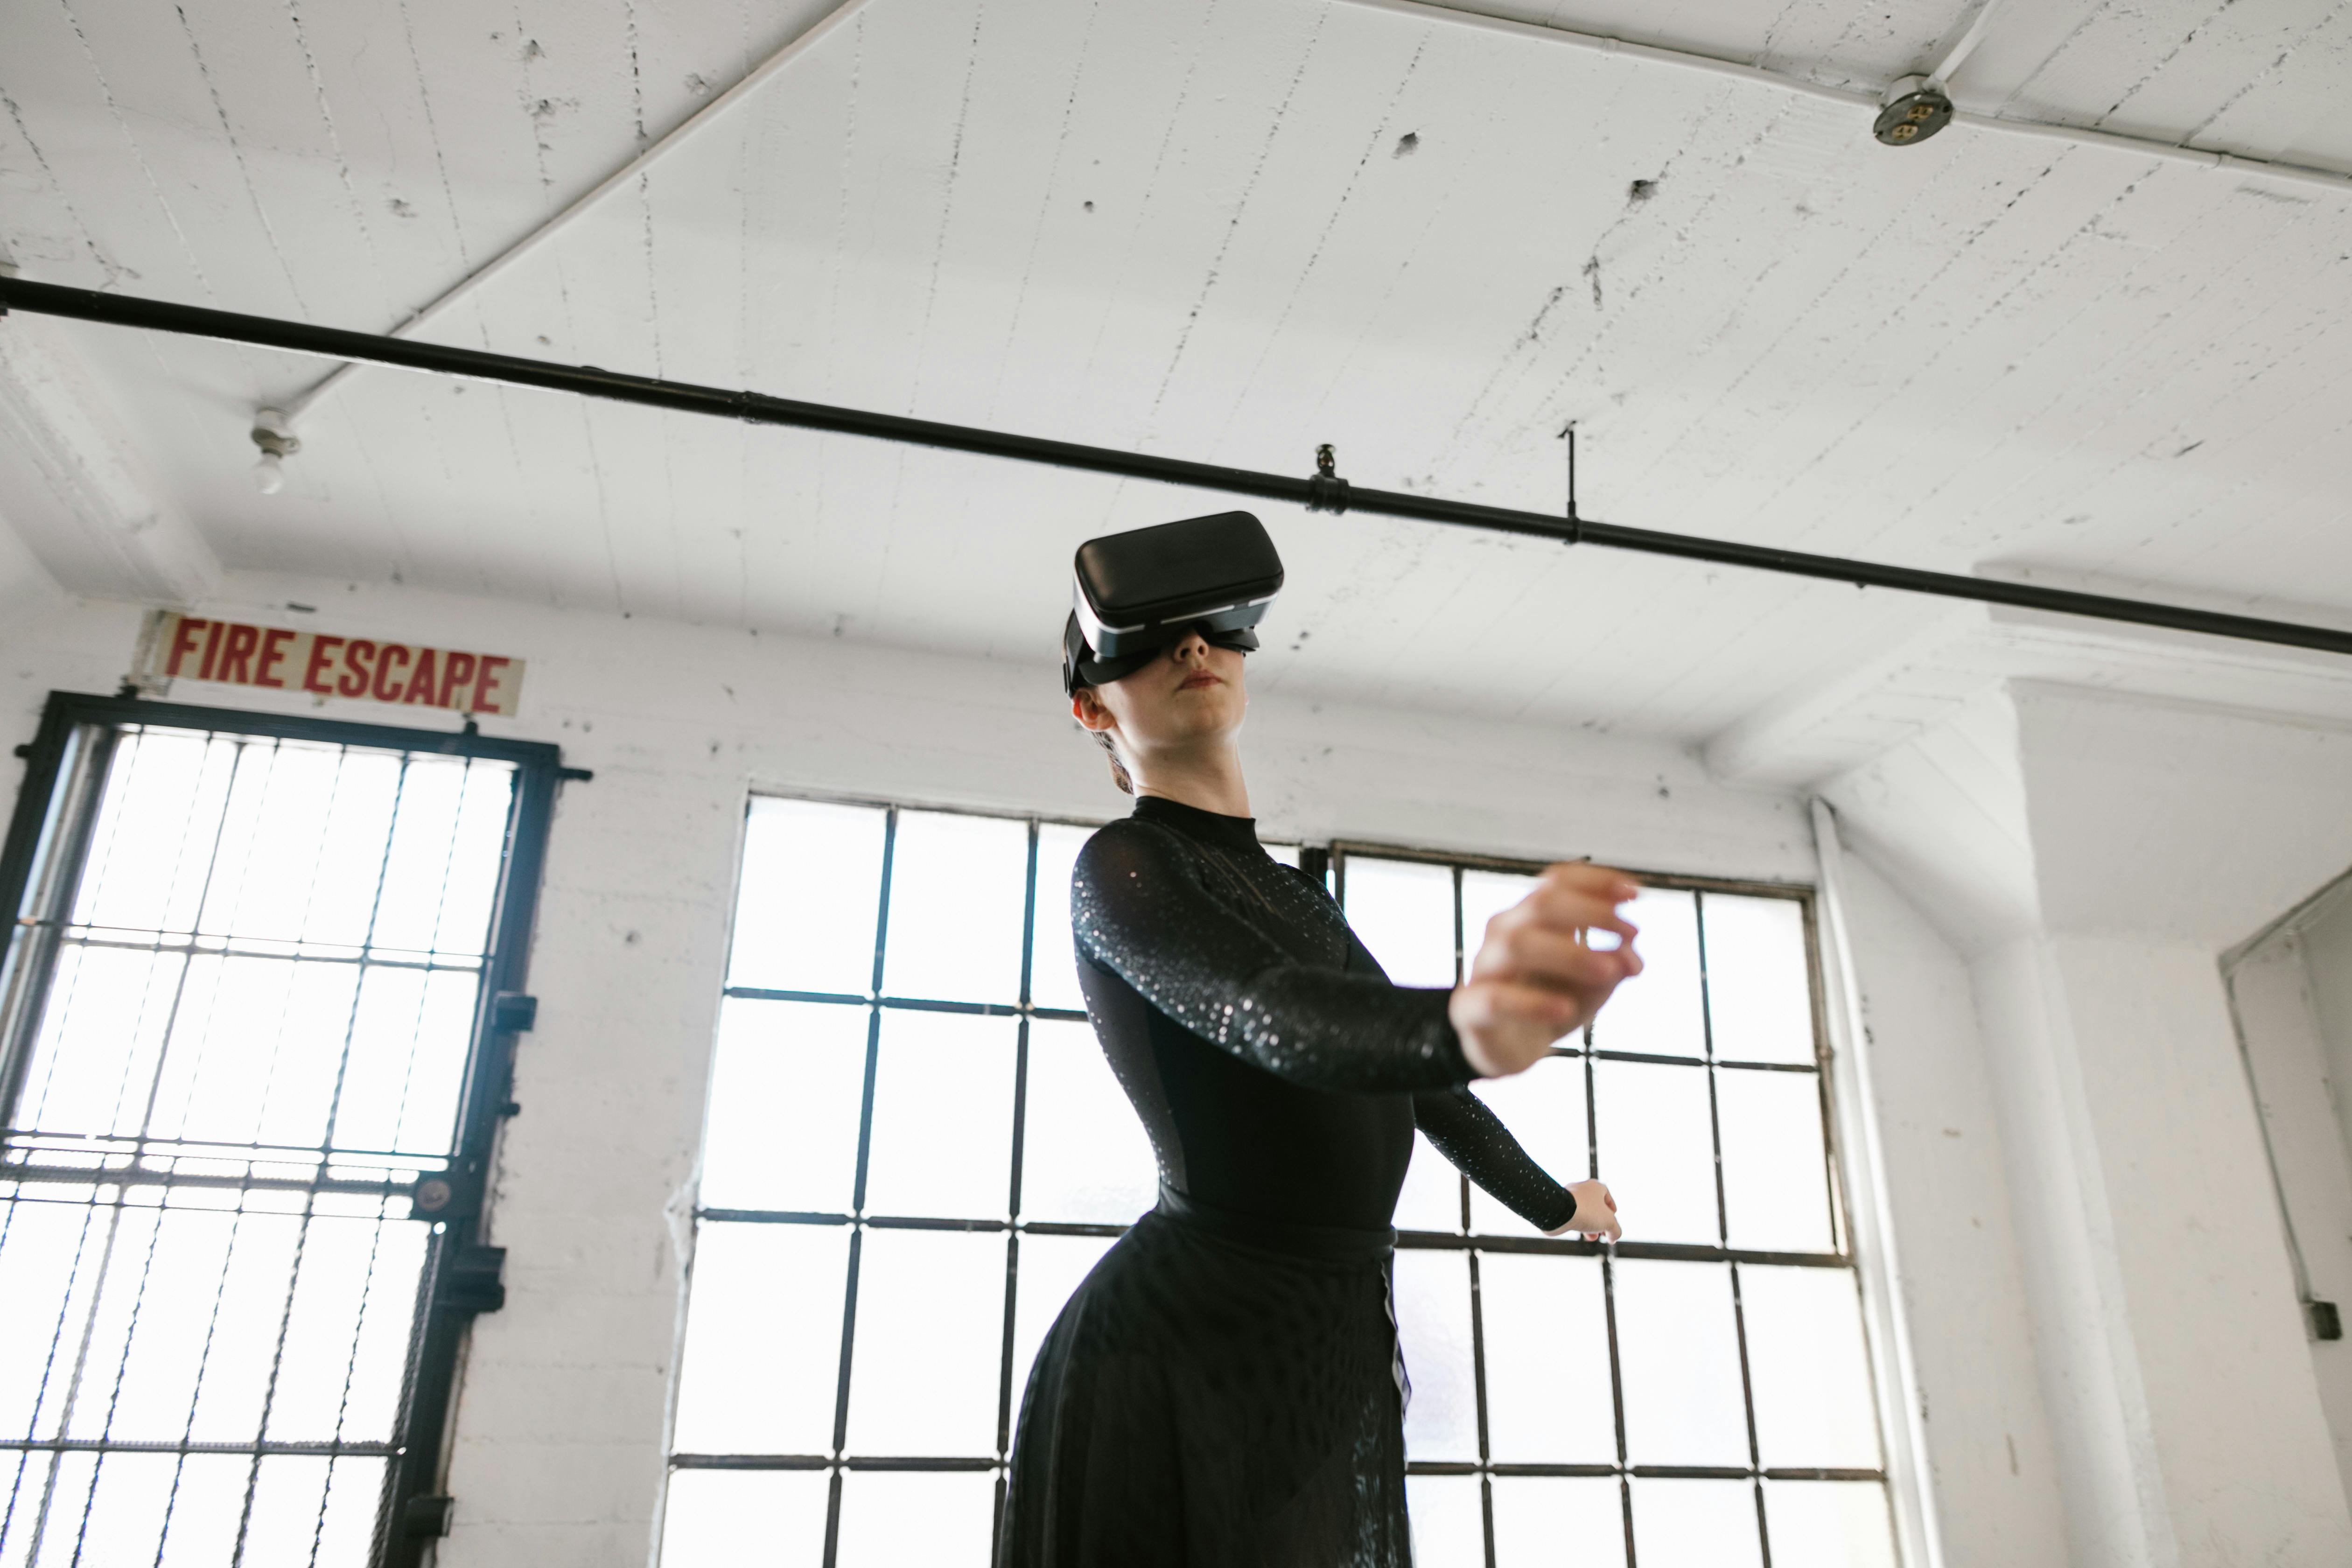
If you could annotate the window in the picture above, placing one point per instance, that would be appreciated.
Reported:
(1701, 1388)
(915, 1150)
(247, 1126)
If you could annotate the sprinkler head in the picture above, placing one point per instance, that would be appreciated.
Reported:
(1913, 110)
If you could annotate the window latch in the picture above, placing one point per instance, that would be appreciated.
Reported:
(426, 1518)
(471, 1280)
(513, 1012)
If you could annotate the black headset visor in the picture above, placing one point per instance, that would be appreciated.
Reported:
(1135, 593)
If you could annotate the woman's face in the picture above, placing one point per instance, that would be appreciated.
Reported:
(1188, 697)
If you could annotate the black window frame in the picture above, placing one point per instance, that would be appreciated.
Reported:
(1472, 1242)
(49, 837)
(1328, 863)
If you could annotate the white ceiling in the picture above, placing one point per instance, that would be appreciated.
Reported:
(1196, 227)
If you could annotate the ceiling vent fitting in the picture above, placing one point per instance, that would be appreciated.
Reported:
(278, 442)
(1913, 109)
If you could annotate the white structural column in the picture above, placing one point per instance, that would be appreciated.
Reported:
(2093, 859)
(1893, 1367)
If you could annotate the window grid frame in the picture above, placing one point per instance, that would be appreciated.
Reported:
(1330, 861)
(50, 837)
(1841, 1257)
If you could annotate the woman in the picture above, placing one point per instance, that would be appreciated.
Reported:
(1224, 1388)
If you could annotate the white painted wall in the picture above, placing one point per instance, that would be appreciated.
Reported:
(1990, 1445)
(2187, 1421)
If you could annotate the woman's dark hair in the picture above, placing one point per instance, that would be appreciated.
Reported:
(1117, 769)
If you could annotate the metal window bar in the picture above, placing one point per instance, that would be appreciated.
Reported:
(839, 1460)
(329, 1258)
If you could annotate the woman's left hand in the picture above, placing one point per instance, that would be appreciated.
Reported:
(1595, 1215)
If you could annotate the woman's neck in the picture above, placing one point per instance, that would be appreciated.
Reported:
(1207, 781)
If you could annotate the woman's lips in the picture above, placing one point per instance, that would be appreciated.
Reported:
(1202, 679)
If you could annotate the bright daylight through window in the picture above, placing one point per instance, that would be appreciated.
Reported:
(241, 1005)
(915, 1150)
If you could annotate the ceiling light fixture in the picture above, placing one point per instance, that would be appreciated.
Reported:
(1913, 109)
(278, 442)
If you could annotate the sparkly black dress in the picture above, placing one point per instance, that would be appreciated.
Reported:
(1224, 1389)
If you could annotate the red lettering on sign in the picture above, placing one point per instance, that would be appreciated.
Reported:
(237, 657)
(273, 649)
(322, 653)
(425, 683)
(353, 682)
(487, 682)
(384, 667)
(212, 647)
(457, 670)
(183, 643)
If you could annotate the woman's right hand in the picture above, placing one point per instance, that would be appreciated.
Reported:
(1595, 1214)
(1535, 978)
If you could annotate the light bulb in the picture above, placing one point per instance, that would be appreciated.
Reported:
(269, 474)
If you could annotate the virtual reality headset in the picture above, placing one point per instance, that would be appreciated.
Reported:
(1135, 593)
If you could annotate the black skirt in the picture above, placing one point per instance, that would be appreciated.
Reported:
(1218, 1393)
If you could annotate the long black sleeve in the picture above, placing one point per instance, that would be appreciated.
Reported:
(1138, 908)
(1483, 1149)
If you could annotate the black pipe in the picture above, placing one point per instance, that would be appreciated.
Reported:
(296, 337)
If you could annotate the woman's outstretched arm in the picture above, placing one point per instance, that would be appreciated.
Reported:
(1136, 910)
(1483, 1149)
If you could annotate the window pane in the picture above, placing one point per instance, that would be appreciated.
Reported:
(1679, 1350)
(728, 1519)
(1829, 1524)
(302, 1505)
(1432, 1309)
(347, 1332)
(128, 1504)
(1776, 1193)
(812, 877)
(1657, 1150)
(1547, 1334)
(1084, 1157)
(147, 867)
(1402, 910)
(893, 1518)
(1054, 966)
(1698, 1524)
(1432, 1198)
(1051, 1267)
(437, 797)
(1484, 895)
(244, 1326)
(1544, 1109)
(1809, 1368)
(786, 1087)
(1559, 1521)
(958, 888)
(1657, 1012)
(1760, 994)
(942, 1116)
(407, 1059)
(1448, 1528)
(763, 1356)
(930, 1326)
(99, 1040)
